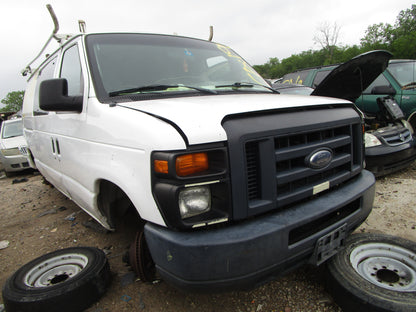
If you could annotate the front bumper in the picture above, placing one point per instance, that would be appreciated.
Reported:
(14, 163)
(250, 253)
(382, 160)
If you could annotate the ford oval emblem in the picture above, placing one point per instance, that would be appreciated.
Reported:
(319, 159)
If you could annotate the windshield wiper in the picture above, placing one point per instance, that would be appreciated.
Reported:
(160, 87)
(237, 85)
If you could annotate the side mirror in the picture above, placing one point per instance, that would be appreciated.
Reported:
(53, 96)
(383, 90)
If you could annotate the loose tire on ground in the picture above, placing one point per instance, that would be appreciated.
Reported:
(70, 279)
(375, 272)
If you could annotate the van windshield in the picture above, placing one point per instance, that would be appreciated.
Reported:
(12, 129)
(404, 73)
(146, 65)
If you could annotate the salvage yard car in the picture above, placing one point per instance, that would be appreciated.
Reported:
(397, 80)
(13, 147)
(234, 183)
(390, 144)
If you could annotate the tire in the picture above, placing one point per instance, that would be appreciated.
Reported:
(375, 272)
(141, 260)
(70, 279)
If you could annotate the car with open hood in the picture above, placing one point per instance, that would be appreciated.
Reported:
(390, 144)
(397, 81)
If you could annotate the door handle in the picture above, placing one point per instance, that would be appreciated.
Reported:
(55, 147)
(58, 150)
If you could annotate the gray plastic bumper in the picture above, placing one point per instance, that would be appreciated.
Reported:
(249, 253)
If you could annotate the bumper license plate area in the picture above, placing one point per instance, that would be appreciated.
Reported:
(329, 245)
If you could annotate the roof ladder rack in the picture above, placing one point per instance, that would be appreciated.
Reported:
(54, 35)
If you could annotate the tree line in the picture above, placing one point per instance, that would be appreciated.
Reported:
(399, 39)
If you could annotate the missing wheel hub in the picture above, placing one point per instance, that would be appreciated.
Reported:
(59, 279)
(387, 276)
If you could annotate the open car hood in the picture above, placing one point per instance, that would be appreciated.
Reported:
(350, 79)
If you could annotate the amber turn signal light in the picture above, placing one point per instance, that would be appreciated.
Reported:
(191, 163)
(161, 166)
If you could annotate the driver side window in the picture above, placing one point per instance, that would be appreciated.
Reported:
(71, 70)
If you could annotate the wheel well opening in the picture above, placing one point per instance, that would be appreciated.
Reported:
(116, 206)
(412, 120)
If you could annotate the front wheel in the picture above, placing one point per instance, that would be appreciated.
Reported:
(70, 279)
(375, 272)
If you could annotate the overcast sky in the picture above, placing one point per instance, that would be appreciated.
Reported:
(257, 30)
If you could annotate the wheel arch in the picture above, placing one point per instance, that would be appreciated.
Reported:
(412, 119)
(113, 202)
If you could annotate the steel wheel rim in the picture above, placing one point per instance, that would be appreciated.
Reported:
(56, 270)
(385, 265)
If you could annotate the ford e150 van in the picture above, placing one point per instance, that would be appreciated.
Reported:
(234, 183)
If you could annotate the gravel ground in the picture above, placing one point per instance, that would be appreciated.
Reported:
(37, 219)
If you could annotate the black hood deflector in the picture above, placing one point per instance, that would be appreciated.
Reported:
(350, 79)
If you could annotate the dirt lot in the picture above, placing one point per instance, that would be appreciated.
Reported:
(36, 219)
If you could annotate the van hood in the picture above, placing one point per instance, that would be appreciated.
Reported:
(13, 142)
(199, 119)
(350, 79)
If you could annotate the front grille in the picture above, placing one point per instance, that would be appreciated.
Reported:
(295, 180)
(252, 158)
(270, 157)
(398, 137)
(23, 150)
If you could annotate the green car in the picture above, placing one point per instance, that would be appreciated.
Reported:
(390, 143)
(398, 80)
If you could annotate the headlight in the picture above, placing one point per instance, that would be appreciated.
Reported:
(371, 140)
(408, 126)
(194, 201)
(10, 152)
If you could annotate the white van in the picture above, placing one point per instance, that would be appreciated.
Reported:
(235, 184)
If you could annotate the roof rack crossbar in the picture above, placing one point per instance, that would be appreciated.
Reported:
(53, 35)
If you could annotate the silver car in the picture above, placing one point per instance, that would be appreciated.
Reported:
(13, 147)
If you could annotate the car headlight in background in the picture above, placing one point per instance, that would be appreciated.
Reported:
(194, 201)
(10, 152)
(371, 140)
(408, 126)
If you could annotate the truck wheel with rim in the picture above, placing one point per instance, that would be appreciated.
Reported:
(70, 279)
(375, 272)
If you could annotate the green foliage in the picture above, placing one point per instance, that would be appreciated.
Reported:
(400, 39)
(13, 101)
(377, 36)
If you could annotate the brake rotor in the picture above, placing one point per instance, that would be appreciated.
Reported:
(141, 260)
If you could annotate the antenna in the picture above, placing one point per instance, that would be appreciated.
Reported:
(211, 33)
(82, 26)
